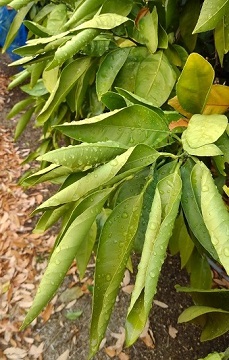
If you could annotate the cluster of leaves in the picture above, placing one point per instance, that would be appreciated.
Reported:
(146, 127)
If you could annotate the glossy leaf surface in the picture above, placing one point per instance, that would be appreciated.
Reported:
(215, 215)
(147, 75)
(68, 77)
(205, 129)
(194, 84)
(161, 220)
(83, 157)
(91, 181)
(128, 126)
(109, 271)
(211, 13)
(109, 68)
(64, 253)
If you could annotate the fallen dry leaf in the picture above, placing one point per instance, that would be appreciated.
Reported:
(71, 294)
(126, 278)
(172, 331)
(64, 356)
(161, 304)
(147, 336)
(13, 353)
(116, 349)
(128, 289)
(110, 351)
(123, 356)
(181, 122)
(36, 351)
(47, 312)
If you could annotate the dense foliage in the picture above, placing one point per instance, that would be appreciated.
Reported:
(137, 92)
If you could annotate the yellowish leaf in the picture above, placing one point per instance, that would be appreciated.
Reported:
(218, 100)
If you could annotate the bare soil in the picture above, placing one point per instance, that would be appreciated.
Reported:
(60, 334)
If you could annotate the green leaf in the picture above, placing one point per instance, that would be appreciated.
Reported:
(204, 150)
(103, 21)
(22, 122)
(84, 252)
(128, 127)
(19, 78)
(194, 84)
(72, 47)
(211, 13)
(161, 220)
(140, 180)
(119, 7)
(113, 101)
(73, 315)
(220, 161)
(48, 173)
(188, 20)
(44, 11)
(36, 72)
(69, 75)
(18, 4)
(20, 106)
(118, 241)
(216, 320)
(150, 76)
(200, 271)
(56, 19)
(181, 241)
(36, 29)
(16, 23)
(109, 69)
(50, 79)
(146, 31)
(162, 38)
(64, 254)
(215, 215)
(213, 356)
(37, 90)
(85, 8)
(192, 209)
(84, 156)
(220, 39)
(205, 129)
(217, 298)
(132, 99)
(194, 311)
(50, 217)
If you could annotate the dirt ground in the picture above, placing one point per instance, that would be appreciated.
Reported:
(58, 336)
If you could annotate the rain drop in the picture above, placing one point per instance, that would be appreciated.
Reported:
(215, 241)
(114, 162)
(205, 188)
(152, 226)
(125, 215)
(57, 262)
(152, 274)
(226, 251)
(108, 277)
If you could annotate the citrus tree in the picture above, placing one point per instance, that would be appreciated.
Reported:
(132, 98)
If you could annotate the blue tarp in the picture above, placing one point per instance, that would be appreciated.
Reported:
(6, 18)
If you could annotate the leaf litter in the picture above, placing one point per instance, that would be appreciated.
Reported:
(23, 259)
